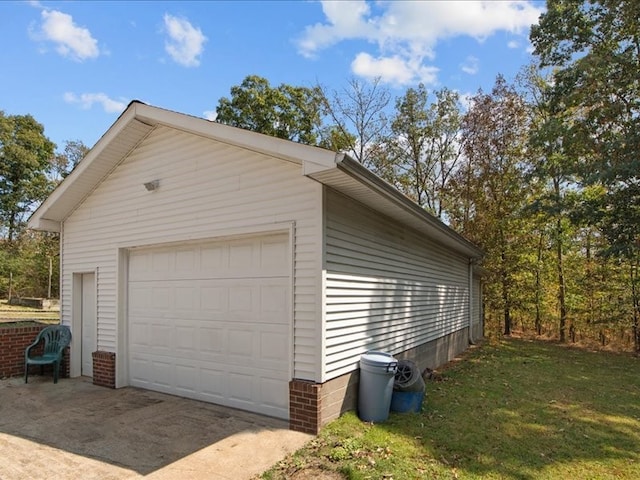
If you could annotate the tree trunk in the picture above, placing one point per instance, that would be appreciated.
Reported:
(572, 333)
(50, 275)
(11, 228)
(505, 296)
(636, 307)
(538, 321)
(560, 261)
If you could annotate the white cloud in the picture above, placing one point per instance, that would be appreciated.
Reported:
(466, 100)
(210, 115)
(87, 100)
(346, 20)
(393, 70)
(406, 33)
(71, 40)
(513, 44)
(471, 65)
(185, 43)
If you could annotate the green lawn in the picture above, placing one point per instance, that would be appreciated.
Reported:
(14, 313)
(511, 410)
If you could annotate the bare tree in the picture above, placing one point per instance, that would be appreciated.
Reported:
(358, 113)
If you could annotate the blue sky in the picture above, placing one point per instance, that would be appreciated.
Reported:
(75, 66)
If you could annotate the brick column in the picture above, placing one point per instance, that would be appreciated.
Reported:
(65, 370)
(104, 369)
(304, 406)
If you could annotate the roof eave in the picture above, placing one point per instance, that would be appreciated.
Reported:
(394, 201)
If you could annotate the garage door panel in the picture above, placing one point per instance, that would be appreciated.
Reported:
(139, 298)
(186, 339)
(213, 383)
(186, 379)
(212, 322)
(274, 300)
(273, 346)
(162, 297)
(212, 341)
(161, 262)
(138, 336)
(241, 299)
(270, 389)
(274, 256)
(186, 298)
(163, 339)
(185, 259)
(240, 343)
(213, 299)
(162, 373)
(242, 257)
(140, 369)
(212, 258)
(240, 388)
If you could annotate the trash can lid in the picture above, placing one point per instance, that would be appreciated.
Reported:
(378, 359)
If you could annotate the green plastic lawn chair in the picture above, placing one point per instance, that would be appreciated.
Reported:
(56, 338)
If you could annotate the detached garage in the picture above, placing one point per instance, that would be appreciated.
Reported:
(227, 266)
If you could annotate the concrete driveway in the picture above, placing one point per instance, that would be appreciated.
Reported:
(76, 430)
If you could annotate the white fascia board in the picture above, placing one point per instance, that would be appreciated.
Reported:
(44, 225)
(310, 167)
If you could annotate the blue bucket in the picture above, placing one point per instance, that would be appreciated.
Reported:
(405, 402)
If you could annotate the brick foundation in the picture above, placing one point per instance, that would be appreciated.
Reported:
(304, 406)
(14, 339)
(65, 368)
(313, 405)
(104, 369)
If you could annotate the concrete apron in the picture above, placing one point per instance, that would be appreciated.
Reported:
(76, 430)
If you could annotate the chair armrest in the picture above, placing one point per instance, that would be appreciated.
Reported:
(36, 342)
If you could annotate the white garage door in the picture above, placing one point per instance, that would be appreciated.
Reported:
(212, 322)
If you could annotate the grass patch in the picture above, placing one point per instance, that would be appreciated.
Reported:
(17, 313)
(515, 409)
(25, 323)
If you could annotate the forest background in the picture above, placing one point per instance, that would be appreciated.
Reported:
(542, 173)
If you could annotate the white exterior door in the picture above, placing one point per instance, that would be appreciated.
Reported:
(212, 322)
(88, 313)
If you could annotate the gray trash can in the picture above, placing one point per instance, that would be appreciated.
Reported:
(377, 372)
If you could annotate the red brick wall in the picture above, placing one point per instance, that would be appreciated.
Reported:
(104, 369)
(313, 405)
(13, 342)
(304, 406)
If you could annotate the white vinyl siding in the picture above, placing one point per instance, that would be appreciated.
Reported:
(207, 190)
(388, 288)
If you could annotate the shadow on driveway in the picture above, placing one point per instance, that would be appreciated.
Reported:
(75, 429)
